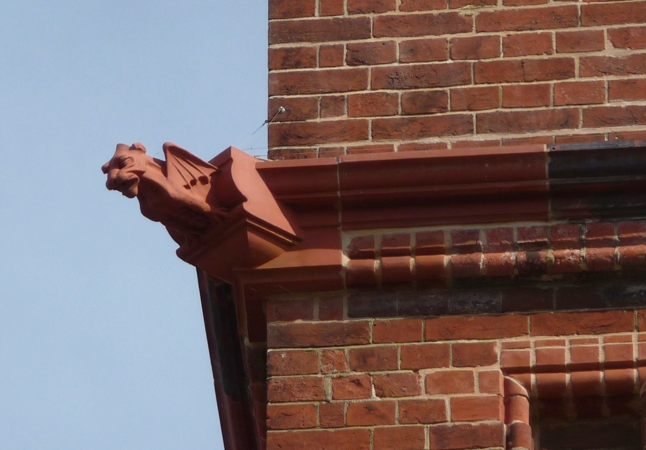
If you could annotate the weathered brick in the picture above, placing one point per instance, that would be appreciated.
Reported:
(331, 7)
(319, 30)
(528, 19)
(292, 362)
(420, 127)
(423, 50)
(373, 104)
(295, 389)
(332, 415)
(601, 66)
(397, 385)
(613, 116)
(421, 76)
(477, 408)
(475, 47)
(318, 334)
(422, 5)
(292, 58)
(424, 102)
(371, 413)
(422, 411)
(307, 133)
(397, 330)
(629, 37)
(545, 324)
(409, 25)
(627, 89)
(373, 358)
(524, 70)
(525, 121)
(371, 6)
(425, 356)
(476, 327)
(331, 55)
(399, 438)
(613, 13)
(450, 437)
(318, 81)
(333, 361)
(450, 382)
(344, 439)
(296, 108)
(351, 388)
(286, 9)
(526, 96)
(475, 99)
(527, 44)
(580, 41)
(579, 93)
(285, 417)
(371, 53)
(474, 354)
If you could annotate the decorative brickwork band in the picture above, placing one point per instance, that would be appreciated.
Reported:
(517, 415)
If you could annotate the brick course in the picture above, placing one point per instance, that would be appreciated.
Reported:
(523, 71)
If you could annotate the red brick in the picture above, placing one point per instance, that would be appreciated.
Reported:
(422, 411)
(524, 70)
(580, 41)
(331, 152)
(472, 143)
(318, 334)
(424, 102)
(526, 121)
(344, 439)
(476, 327)
(474, 354)
(331, 308)
(410, 25)
(499, 240)
(397, 330)
(422, 5)
(423, 50)
(421, 76)
(420, 147)
(332, 106)
(371, 6)
(331, 7)
(551, 385)
(550, 357)
(332, 415)
(476, 47)
(295, 389)
(629, 37)
(290, 310)
(601, 66)
(490, 382)
(351, 388)
(371, 53)
(450, 382)
(476, 408)
(292, 363)
(299, 108)
(318, 81)
(550, 324)
(457, 4)
(515, 359)
(632, 233)
(579, 138)
(399, 438)
(618, 355)
(613, 13)
(614, 116)
(420, 127)
(425, 356)
(319, 30)
(371, 413)
(586, 383)
(307, 133)
(534, 140)
(453, 437)
(524, 2)
(373, 358)
(331, 55)
(527, 44)
(475, 99)
(566, 236)
(579, 93)
(397, 385)
(286, 9)
(373, 104)
(333, 361)
(378, 148)
(285, 417)
(627, 89)
(528, 19)
(292, 58)
(526, 96)
(292, 153)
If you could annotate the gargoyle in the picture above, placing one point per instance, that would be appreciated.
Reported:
(177, 192)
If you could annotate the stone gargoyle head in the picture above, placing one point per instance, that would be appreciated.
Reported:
(125, 169)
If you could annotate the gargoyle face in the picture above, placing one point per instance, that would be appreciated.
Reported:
(125, 169)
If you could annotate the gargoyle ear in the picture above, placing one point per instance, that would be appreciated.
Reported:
(105, 167)
(138, 146)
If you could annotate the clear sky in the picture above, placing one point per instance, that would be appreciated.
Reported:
(102, 343)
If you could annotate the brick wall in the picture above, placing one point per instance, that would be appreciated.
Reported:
(446, 383)
(398, 75)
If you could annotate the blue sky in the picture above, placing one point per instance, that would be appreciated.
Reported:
(102, 343)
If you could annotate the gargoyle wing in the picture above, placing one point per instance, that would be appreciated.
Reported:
(185, 169)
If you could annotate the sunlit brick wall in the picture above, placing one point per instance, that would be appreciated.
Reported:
(397, 75)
